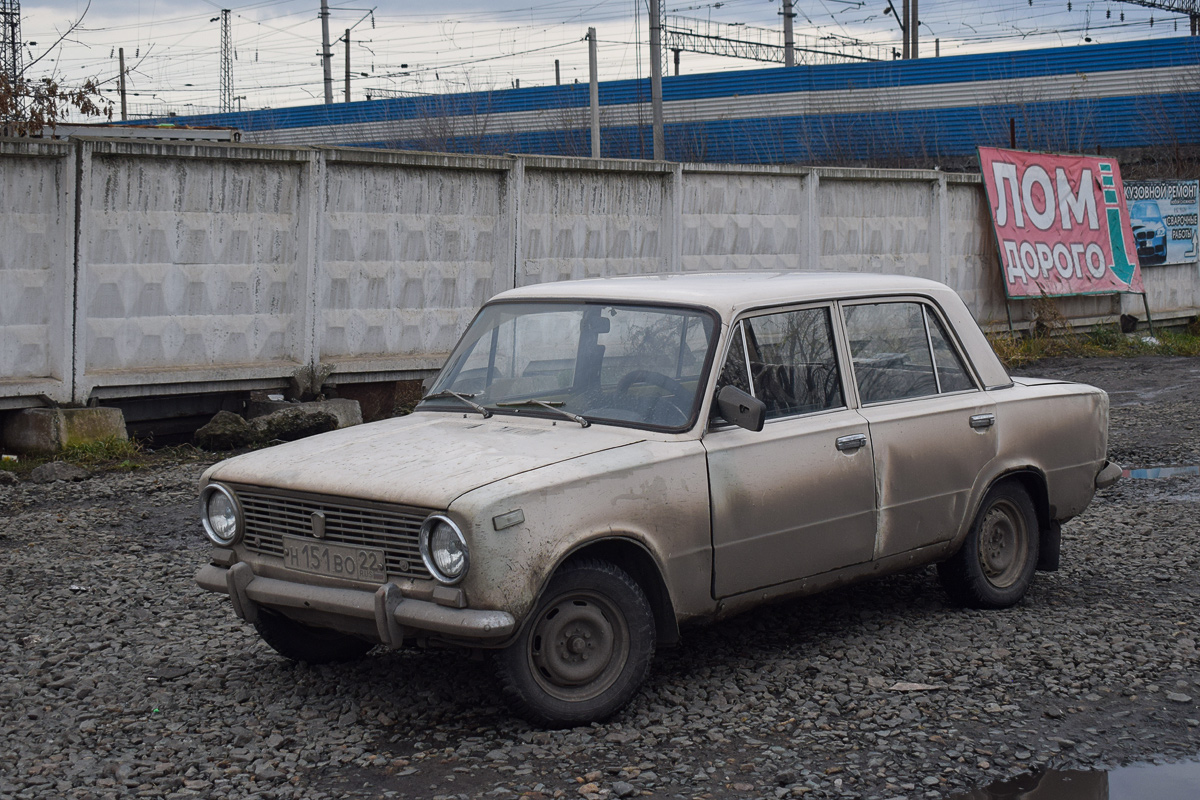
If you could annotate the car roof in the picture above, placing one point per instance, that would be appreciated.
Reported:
(728, 293)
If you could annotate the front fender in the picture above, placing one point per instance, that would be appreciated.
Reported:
(652, 492)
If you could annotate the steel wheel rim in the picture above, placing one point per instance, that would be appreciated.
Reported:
(1003, 544)
(578, 646)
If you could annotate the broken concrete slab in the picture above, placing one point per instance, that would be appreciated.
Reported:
(298, 422)
(225, 431)
(290, 421)
(347, 412)
(45, 431)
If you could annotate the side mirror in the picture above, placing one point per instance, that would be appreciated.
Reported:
(427, 384)
(741, 408)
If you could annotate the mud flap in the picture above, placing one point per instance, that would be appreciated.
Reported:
(1050, 547)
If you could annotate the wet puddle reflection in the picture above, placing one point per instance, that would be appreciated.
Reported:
(1136, 782)
(1160, 472)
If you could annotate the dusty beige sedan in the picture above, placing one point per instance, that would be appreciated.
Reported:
(601, 463)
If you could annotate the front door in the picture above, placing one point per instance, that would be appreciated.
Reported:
(797, 498)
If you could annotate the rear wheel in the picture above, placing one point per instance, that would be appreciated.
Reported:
(300, 642)
(585, 650)
(995, 565)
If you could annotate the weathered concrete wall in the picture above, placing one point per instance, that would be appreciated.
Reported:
(141, 269)
(614, 222)
(37, 233)
(409, 248)
(194, 266)
(745, 219)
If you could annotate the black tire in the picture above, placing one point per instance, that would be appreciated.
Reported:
(303, 643)
(591, 611)
(995, 565)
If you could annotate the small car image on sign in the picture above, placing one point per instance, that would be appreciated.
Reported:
(601, 464)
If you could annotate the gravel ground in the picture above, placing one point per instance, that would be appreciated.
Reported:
(120, 678)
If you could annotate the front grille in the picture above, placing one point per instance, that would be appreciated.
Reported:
(269, 516)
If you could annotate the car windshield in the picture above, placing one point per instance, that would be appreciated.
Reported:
(1146, 211)
(634, 365)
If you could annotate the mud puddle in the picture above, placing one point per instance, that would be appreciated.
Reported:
(1180, 781)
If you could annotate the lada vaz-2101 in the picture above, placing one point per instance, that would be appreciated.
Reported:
(602, 462)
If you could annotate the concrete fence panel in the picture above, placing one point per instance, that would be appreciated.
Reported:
(870, 226)
(410, 247)
(37, 239)
(194, 267)
(745, 220)
(583, 219)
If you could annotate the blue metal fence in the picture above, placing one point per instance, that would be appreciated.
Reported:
(1128, 94)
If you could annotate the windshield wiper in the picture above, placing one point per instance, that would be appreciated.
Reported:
(551, 406)
(462, 398)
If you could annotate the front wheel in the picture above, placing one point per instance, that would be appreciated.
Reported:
(995, 565)
(585, 650)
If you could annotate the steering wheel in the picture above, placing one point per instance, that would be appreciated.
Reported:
(664, 382)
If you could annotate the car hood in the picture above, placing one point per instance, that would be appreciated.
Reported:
(425, 459)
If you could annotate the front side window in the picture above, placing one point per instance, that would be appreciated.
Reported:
(789, 357)
(619, 364)
(901, 350)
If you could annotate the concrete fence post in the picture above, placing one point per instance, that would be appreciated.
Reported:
(515, 194)
(673, 220)
(810, 223)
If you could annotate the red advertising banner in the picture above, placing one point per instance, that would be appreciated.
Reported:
(1061, 223)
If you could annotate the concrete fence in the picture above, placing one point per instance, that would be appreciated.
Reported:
(141, 269)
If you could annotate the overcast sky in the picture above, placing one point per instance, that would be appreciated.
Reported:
(173, 49)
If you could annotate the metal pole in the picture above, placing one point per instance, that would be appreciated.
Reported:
(915, 23)
(226, 63)
(676, 52)
(789, 41)
(326, 56)
(904, 29)
(594, 92)
(347, 65)
(557, 79)
(121, 81)
(656, 78)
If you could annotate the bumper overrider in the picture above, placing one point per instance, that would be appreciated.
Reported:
(396, 617)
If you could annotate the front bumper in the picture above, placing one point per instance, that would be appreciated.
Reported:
(396, 617)
(1109, 474)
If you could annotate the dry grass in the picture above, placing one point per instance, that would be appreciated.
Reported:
(1052, 335)
(108, 455)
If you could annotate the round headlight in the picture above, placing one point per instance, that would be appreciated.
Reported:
(219, 513)
(444, 549)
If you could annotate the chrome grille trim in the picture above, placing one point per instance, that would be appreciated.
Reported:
(270, 514)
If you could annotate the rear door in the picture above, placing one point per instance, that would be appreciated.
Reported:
(932, 428)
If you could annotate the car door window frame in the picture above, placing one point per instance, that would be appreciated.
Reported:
(928, 307)
(738, 333)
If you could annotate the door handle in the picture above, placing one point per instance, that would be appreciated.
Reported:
(982, 421)
(851, 442)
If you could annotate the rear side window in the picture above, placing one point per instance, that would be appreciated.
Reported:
(786, 360)
(901, 350)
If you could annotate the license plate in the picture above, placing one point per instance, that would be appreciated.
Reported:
(335, 560)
